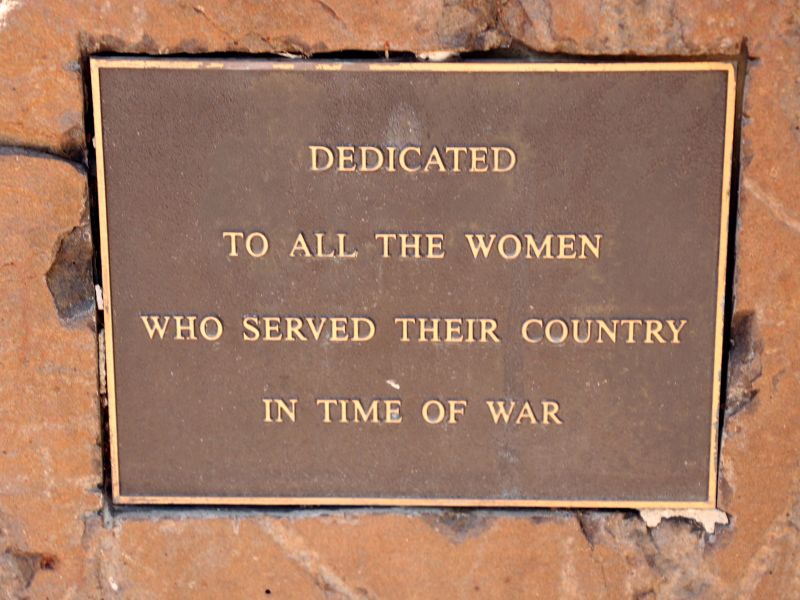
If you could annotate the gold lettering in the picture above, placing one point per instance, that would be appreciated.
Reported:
(477, 243)
(582, 331)
(234, 236)
(512, 159)
(457, 152)
(365, 416)
(478, 159)
(343, 253)
(652, 327)
(453, 330)
(370, 159)
(500, 409)
(300, 245)
(316, 331)
(293, 327)
(526, 326)
(434, 158)
(320, 237)
(204, 328)
(358, 336)
(439, 415)
(435, 242)
(509, 245)
(436, 330)
(353, 410)
(550, 411)
(391, 167)
(428, 330)
(566, 246)
(576, 324)
(315, 165)
(376, 152)
(185, 327)
(249, 243)
(611, 334)
(631, 325)
(281, 409)
(384, 239)
(402, 158)
(346, 158)
(526, 413)
(588, 244)
(548, 331)
(456, 409)
(250, 246)
(393, 415)
(412, 246)
(517, 247)
(182, 330)
(488, 328)
(404, 323)
(326, 404)
(676, 330)
(272, 329)
(534, 249)
(338, 329)
(155, 324)
(251, 326)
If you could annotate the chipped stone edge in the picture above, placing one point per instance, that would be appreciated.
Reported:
(708, 518)
(437, 55)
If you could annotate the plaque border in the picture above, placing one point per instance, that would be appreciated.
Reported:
(133, 62)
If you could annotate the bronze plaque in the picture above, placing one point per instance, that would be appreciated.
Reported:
(445, 284)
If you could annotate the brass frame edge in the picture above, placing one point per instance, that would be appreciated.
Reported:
(722, 266)
(124, 62)
(94, 66)
(244, 64)
(419, 502)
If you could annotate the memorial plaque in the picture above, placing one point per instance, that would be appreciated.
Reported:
(459, 284)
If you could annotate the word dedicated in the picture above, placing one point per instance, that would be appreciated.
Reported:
(445, 159)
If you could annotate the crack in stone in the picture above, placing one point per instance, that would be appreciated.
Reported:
(42, 152)
(744, 363)
(588, 528)
(673, 13)
(295, 549)
(778, 211)
(330, 11)
(200, 10)
(22, 566)
(779, 533)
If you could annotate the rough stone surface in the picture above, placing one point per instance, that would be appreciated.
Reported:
(49, 414)
(70, 277)
(55, 540)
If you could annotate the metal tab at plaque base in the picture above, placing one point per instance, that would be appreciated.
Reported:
(443, 284)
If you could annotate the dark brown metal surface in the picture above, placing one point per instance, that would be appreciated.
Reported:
(637, 156)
